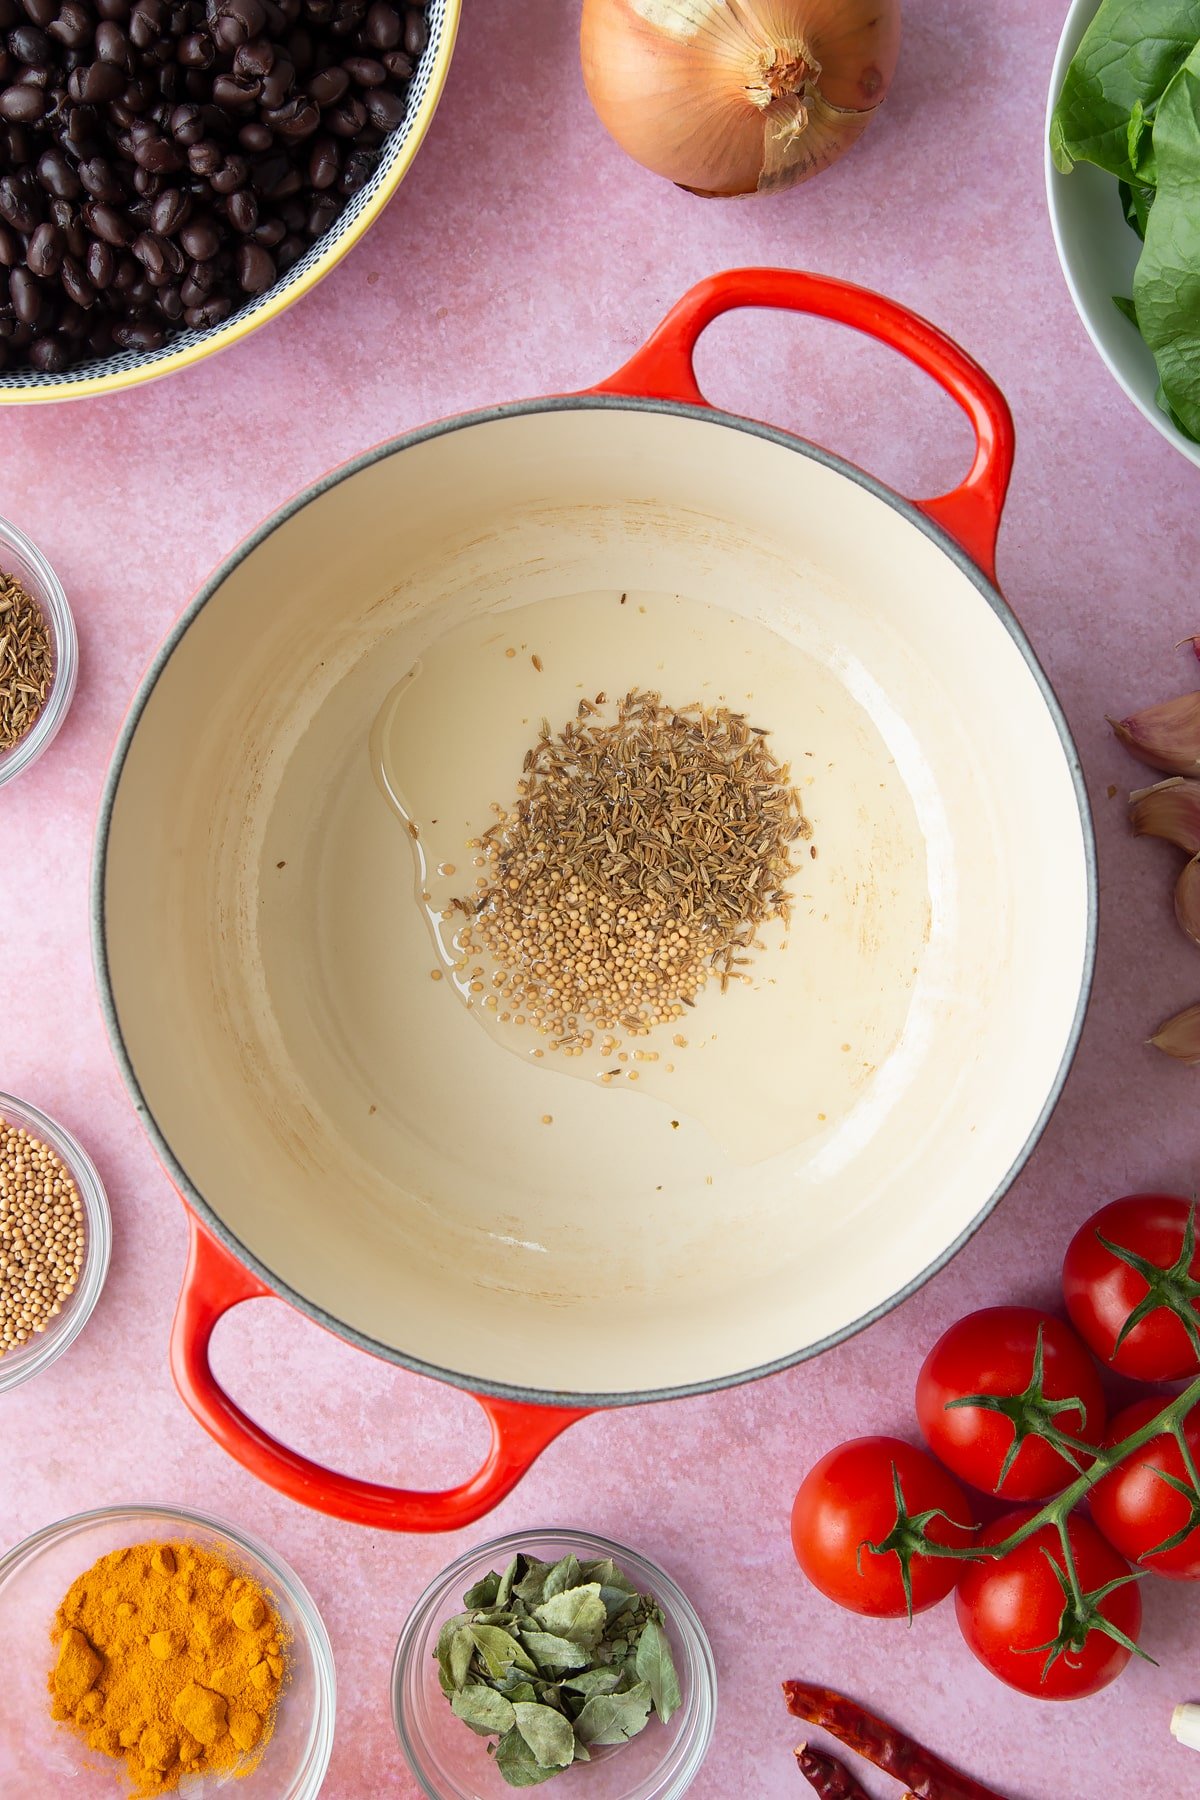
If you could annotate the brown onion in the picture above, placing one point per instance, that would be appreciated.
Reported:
(738, 96)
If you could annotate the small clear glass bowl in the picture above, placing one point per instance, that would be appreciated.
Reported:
(22, 559)
(452, 1763)
(40, 1757)
(29, 1359)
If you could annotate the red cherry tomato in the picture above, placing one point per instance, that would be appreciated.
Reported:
(1102, 1289)
(848, 1500)
(1137, 1510)
(994, 1353)
(1010, 1611)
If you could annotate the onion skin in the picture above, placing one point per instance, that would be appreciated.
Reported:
(727, 97)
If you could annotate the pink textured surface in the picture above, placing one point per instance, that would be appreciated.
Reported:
(524, 254)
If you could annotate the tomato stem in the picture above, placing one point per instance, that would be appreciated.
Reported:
(1169, 1422)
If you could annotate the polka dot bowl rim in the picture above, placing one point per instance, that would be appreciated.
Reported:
(130, 368)
(20, 1365)
(120, 1525)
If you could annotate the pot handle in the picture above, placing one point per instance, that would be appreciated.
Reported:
(663, 369)
(213, 1282)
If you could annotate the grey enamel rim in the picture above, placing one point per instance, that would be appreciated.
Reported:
(480, 1384)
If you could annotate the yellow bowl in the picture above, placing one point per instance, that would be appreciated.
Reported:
(106, 375)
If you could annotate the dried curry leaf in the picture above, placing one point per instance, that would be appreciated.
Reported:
(484, 1710)
(548, 1734)
(579, 1614)
(552, 1652)
(517, 1763)
(614, 1718)
(656, 1667)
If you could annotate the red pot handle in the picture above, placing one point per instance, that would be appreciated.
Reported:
(663, 369)
(213, 1282)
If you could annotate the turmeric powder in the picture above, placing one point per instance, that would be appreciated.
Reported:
(169, 1659)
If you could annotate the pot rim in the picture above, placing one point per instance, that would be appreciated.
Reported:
(191, 1195)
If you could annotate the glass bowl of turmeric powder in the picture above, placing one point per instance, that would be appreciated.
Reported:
(179, 1654)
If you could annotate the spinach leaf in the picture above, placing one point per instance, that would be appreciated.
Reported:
(1136, 200)
(1130, 53)
(1166, 283)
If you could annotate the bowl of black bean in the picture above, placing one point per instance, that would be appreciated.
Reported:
(174, 173)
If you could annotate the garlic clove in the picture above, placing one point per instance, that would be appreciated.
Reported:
(1166, 736)
(1170, 810)
(1180, 1037)
(1187, 900)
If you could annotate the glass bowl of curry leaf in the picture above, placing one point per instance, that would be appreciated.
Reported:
(554, 1655)
(1123, 186)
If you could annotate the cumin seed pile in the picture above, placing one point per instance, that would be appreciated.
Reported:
(26, 661)
(641, 856)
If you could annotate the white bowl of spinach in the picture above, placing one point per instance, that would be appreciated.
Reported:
(1123, 183)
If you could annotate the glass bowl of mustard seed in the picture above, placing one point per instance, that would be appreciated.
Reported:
(55, 1240)
(39, 653)
(135, 1638)
(461, 1751)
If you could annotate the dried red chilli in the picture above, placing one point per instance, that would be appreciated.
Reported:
(828, 1778)
(925, 1774)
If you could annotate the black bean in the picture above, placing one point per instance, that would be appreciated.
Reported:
(76, 284)
(255, 268)
(143, 31)
(17, 207)
(365, 71)
(138, 335)
(324, 212)
(294, 212)
(170, 210)
(196, 51)
(58, 174)
(187, 124)
(290, 251)
(256, 136)
(347, 17)
(101, 265)
(100, 179)
(112, 46)
(169, 301)
(298, 119)
(232, 174)
(82, 126)
(44, 251)
(97, 83)
(146, 185)
(71, 321)
(10, 14)
(23, 102)
(26, 296)
(41, 12)
(254, 60)
(289, 184)
(106, 222)
(208, 313)
(385, 110)
(205, 158)
(243, 211)
(158, 155)
(234, 92)
(30, 44)
(201, 239)
(324, 163)
(346, 119)
(49, 354)
(327, 87)
(268, 232)
(266, 173)
(384, 26)
(112, 9)
(360, 165)
(10, 247)
(416, 31)
(278, 84)
(74, 25)
(192, 292)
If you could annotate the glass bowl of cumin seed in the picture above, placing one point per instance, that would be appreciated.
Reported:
(39, 653)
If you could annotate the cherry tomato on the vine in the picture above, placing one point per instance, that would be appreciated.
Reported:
(849, 1501)
(1137, 1509)
(1137, 1259)
(1018, 1617)
(1028, 1366)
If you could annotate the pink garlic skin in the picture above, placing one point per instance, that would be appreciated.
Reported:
(1180, 1037)
(1187, 900)
(1169, 810)
(1166, 736)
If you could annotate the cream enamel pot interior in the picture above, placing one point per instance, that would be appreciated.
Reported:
(278, 1029)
